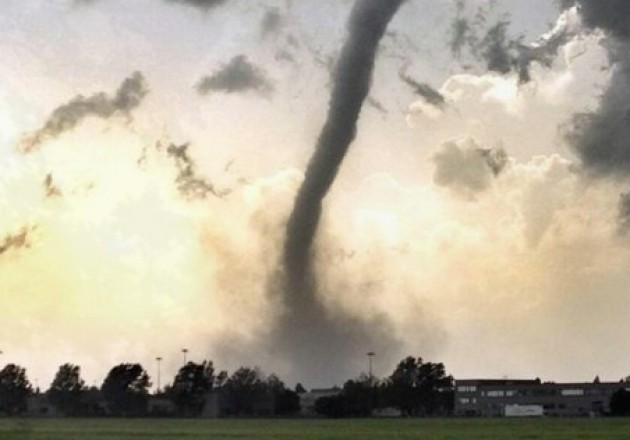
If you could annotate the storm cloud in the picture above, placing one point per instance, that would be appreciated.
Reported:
(238, 76)
(601, 138)
(101, 105)
(503, 53)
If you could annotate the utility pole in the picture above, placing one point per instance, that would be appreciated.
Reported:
(185, 351)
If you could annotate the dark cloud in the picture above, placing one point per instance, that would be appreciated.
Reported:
(624, 213)
(565, 4)
(601, 138)
(272, 22)
(202, 4)
(468, 169)
(460, 31)
(17, 240)
(188, 182)
(501, 52)
(611, 16)
(238, 76)
(101, 105)
(496, 159)
(377, 105)
(309, 334)
(50, 188)
(284, 55)
(495, 48)
(424, 90)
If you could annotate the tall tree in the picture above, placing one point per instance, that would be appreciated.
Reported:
(191, 385)
(125, 390)
(14, 390)
(620, 403)
(358, 398)
(286, 401)
(67, 389)
(244, 390)
(420, 388)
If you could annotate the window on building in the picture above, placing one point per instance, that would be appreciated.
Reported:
(467, 389)
(496, 393)
(573, 392)
(510, 393)
(464, 400)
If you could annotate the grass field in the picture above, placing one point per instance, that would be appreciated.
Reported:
(315, 429)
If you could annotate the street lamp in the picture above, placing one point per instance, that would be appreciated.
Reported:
(159, 360)
(370, 355)
(185, 351)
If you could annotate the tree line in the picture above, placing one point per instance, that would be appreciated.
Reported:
(415, 388)
(125, 391)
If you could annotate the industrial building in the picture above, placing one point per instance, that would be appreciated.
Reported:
(512, 398)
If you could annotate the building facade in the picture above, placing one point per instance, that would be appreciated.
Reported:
(505, 397)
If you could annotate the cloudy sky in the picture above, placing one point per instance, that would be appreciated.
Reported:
(150, 153)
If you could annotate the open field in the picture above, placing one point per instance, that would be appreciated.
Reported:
(315, 429)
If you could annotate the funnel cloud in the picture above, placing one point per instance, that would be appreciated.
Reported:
(309, 334)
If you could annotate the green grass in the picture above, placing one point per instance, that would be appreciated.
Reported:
(451, 429)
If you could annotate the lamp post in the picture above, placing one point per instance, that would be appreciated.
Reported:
(159, 360)
(185, 352)
(370, 355)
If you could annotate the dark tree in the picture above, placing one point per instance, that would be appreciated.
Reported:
(125, 390)
(191, 386)
(221, 379)
(358, 398)
(14, 390)
(620, 403)
(67, 390)
(244, 391)
(286, 401)
(331, 406)
(299, 388)
(419, 388)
